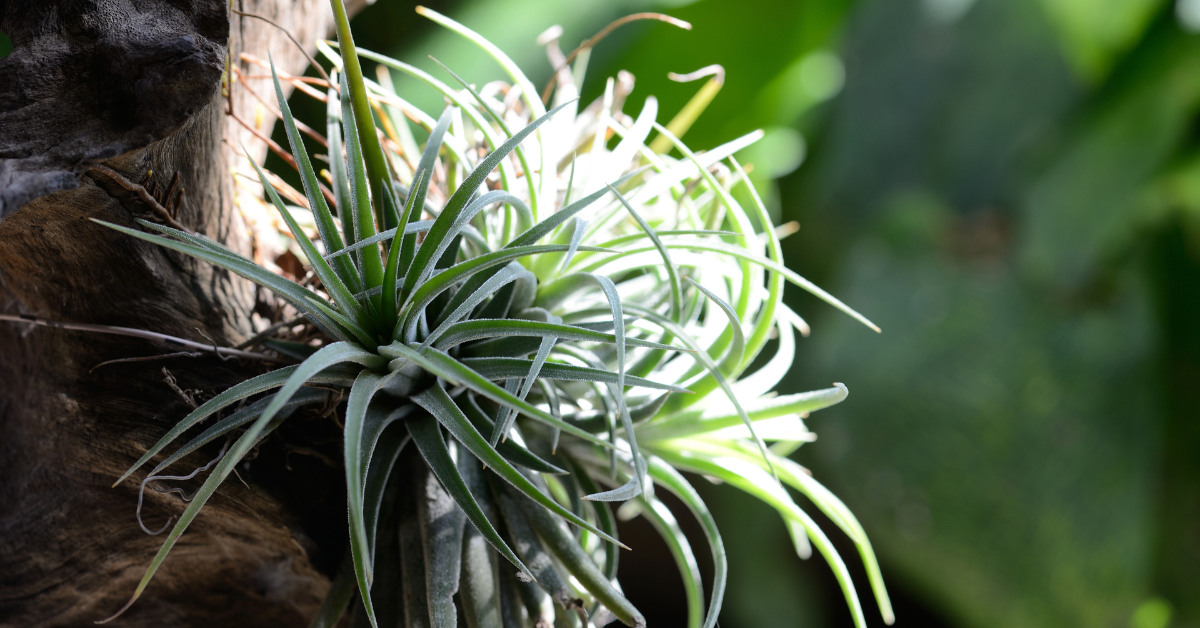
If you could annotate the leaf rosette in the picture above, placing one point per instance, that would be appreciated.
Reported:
(534, 315)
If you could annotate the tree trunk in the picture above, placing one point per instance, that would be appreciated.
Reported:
(136, 86)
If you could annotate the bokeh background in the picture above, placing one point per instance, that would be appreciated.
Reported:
(1011, 190)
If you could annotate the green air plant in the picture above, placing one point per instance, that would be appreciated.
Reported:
(530, 321)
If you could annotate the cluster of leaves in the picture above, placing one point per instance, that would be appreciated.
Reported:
(563, 368)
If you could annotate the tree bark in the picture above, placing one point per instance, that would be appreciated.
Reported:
(134, 85)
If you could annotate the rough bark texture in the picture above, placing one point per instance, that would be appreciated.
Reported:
(135, 85)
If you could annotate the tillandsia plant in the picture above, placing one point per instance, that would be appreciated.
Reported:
(530, 319)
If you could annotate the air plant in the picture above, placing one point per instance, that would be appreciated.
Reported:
(551, 321)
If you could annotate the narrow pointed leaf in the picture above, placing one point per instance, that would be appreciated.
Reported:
(503, 424)
(629, 490)
(388, 606)
(576, 238)
(392, 267)
(567, 550)
(744, 475)
(528, 545)
(693, 422)
(480, 329)
(316, 200)
(734, 359)
(618, 388)
(689, 570)
(672, 273)
(291, 291)
(369, 146)
(228, 397)
(759, 336)
(528, 91)
(771, 265)
(425, 168)
(604, 518)
(247, 440)
(336, 353)
(355, 330)
(511, 368)
(797, 477)
(356, 411)
(236, 420)
(479, 585)
(432, 287)
(510, 273)
(449, 415)
(364, 218)
(666, 476)
(384, 449)
(425, 255)
(544, 228)
(450, 369)
(428, 438)
(441, 524)
(511, 451)
(531, 376)
(418, 226)
(533, 195)
(710, 365)
(341, 294)
(337, 160)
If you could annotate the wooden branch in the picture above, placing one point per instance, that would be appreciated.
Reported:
(162, 339)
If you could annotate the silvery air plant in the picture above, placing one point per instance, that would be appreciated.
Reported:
(535, 316)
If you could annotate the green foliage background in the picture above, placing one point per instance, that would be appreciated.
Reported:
(1010, 188)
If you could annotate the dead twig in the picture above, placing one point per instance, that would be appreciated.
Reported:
(185, 496)
(304, 52)
(604, 32)
(167, 199)
(268, 332)
(187, 395)
(286, 156)
(300, 126)
(141, 192)
(178, 354)
(216, 349)
(297, 81)
(275, 148)
(289, 79)
(163, 339)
